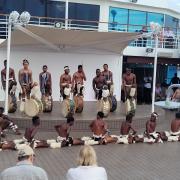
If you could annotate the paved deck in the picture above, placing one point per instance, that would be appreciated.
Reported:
(122, 162)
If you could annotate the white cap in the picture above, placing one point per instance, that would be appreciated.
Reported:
(25, 151)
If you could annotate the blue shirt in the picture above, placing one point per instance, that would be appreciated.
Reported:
(23, 170)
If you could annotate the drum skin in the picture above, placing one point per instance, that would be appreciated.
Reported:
(31, 107)
(104, 106)
(79, 104)
(67, 107)
(47, 104)
(113, 103)
(12, 106)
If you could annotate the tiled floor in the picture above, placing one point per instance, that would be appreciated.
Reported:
(122, 162)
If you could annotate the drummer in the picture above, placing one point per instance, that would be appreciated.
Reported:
(25, 80)
(98, 83)
(12, 78)
(108, 76)
(129, 80)
(45, 82)
(78, 81)
(7, 123)
(65, 81)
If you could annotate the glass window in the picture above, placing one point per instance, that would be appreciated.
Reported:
(84, 12)
(13, 5)
(118, 19)
(136, 20)
(56, 9)
(35, 7)
(155, 17)
(171, 22)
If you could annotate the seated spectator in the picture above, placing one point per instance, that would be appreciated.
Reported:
(168, 37)
(87, 166)
(24, 169)
(158, 92)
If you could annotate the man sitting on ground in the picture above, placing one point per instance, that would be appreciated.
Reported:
(174, 134)
(7, 123)
(126, 127)
(100, 130)
(150, 135)
(64, 138)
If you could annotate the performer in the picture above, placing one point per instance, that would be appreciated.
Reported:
(109, 78)
(129, 80)
(98, 83)
(64, 131)
(176, 95)
(150, 134)
(12, 78)
(45, 82)
(65, 81)
(126, 127)
(29, 136)
(174, 134)
(7, 123)
(100, 130)
(78, 81)
(25, 80)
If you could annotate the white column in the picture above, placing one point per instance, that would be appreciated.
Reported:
(66, 14)
(104, 16)
(7, 68)
(155, 70)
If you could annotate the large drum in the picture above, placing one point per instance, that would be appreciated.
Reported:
(47, 103)
(130, 106)
(79, 103)
(33, 107)
(113, 103)
(12, 103)
(104, 106)
(68, 107)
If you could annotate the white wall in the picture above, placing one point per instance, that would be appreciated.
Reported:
(56, 63)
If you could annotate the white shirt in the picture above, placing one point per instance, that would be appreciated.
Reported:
(87, 173)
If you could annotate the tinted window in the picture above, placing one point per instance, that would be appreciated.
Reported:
(118, 19)
(136, 18)
(171, 21)
(155, 17)
(86, 12)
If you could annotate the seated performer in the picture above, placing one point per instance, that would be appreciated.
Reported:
(25, 80)
(29, 136)
(98, 83)
(45, 82)
(64, 138)
(129, 80)
(78, 81)
(174, 134)
(109, 78)
(176, 95)
(7, 123)
(126, 127)
(65, 81)
(100, 130)
(150, 135)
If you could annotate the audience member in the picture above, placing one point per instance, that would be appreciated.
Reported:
(169, 37)
(87, 166)
(24, 169)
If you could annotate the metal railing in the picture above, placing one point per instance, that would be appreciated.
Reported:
(74, 24)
